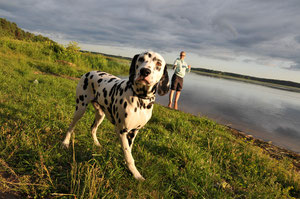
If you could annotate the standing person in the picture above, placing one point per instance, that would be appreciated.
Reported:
(180, 67)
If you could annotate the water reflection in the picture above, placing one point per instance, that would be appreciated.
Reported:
(266, 113)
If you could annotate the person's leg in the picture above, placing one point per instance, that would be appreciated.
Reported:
(176, 99)
(171, 98)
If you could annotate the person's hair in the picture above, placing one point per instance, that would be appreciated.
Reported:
(182, 52)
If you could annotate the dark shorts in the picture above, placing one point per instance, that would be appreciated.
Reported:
(177, 83)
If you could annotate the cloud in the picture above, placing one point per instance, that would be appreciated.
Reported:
(260, 29)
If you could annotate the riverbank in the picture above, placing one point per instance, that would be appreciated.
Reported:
(269, 148)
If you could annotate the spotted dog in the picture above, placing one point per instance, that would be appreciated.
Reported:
(127, 104)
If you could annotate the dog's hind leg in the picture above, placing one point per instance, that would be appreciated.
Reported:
(80, 110)
(99, 117)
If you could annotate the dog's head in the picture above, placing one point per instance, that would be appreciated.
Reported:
(148, 74)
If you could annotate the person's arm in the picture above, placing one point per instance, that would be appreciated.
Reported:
(188, 69)
(175, 64)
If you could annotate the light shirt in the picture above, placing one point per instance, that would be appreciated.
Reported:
(181, 67)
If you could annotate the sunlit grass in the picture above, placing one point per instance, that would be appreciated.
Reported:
(180, 155)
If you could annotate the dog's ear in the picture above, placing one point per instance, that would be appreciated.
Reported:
(132, 68)
(163, 84)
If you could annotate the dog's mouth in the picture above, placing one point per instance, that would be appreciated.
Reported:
(143, 80)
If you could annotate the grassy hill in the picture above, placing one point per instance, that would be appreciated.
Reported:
(180, 155)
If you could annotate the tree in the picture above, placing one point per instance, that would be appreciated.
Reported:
(73, 47)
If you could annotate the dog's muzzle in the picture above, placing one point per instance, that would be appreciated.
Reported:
(144, 75)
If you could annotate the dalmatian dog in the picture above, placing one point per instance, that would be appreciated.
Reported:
(127, 104)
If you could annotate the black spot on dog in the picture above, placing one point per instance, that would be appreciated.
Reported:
(135, 109)
(106, 102)
(128, 85)
(111, 80)
(112, 91)
(111, 115)
(76, 108)
(125, 105)
(86, 83)
(121, 101)
(86, 75)
(101, 73)
(121, 91)
(114, 109)
(104, 92)
(119, 120)
(99, 80)
(93, 87)
(77, 100)
(123, 131)
(130, 136)
(82, 104)
(126, 115)
(81, 97)
(150, 105)
(91, 76)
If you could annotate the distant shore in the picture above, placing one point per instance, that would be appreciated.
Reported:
(278, 84)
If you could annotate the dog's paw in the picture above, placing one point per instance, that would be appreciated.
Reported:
(97, 143)
(139, 178)
(65, 144)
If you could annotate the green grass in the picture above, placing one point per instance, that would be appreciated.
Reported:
(180, 155)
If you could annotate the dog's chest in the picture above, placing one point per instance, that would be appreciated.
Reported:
(121, 107)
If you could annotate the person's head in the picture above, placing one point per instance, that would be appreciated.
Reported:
(182, 55)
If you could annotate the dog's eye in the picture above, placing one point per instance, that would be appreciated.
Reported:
(158, 66)
(141, 59)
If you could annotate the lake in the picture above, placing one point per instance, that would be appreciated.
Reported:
(266, 113)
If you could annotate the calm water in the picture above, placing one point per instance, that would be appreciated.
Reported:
(266, 113)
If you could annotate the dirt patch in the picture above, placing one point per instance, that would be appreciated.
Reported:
(63, 62)
(56, 75)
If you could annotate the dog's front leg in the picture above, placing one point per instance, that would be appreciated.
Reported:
(128, 156)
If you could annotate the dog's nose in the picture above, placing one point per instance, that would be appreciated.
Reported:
(145, 72)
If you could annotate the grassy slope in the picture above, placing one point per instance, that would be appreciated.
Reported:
(180, 155)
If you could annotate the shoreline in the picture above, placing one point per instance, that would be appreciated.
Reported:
(273, 150)
(269, 148)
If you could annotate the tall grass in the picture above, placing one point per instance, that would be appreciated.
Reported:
(180, 155)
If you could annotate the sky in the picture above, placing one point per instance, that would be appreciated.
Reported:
(253, 37)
